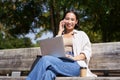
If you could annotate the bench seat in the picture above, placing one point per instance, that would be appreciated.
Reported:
(105, 60)
(65, 78)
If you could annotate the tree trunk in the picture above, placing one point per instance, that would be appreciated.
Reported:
(52, 16)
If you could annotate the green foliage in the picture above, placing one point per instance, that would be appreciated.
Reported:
(15, 43)
(98, 18)
(105, 18)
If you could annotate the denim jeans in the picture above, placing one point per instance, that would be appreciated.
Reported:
(48, 67)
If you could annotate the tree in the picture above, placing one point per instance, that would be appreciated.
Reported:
(105, 18)
(98, 18)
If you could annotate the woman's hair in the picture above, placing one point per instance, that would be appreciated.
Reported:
(75, 13)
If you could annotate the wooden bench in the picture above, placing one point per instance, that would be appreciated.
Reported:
(105, 61)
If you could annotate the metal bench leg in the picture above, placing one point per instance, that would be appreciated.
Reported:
(106, 73)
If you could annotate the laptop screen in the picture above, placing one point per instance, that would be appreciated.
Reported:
(52, 46)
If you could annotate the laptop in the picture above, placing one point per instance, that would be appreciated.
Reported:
(52, 46)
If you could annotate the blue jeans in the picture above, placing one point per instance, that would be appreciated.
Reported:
(48, 67)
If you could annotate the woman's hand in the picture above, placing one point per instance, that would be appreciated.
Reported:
(61, 27)
(78, 57)
(69, 56)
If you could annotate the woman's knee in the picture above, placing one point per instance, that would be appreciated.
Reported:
(47, 58)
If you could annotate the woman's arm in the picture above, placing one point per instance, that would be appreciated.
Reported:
(79, 57)
(61, 27)
(83, 49)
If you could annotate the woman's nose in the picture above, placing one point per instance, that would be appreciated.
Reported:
(69, 21)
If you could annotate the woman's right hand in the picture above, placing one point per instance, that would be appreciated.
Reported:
(61, 27)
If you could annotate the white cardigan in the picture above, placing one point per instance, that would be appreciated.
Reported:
(81, 44)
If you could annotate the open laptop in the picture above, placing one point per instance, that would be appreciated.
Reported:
(52, 46)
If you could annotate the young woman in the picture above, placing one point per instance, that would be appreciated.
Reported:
(77, 46)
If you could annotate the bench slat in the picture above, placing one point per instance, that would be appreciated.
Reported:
(16, 64)
(66, 78)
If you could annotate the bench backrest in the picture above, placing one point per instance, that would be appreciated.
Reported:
(104, 56)
(18, 59)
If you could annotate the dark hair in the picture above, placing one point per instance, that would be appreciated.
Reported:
(75, 13)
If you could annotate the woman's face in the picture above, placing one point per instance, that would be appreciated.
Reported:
(70, 21)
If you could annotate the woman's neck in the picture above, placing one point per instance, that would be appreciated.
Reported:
(69, 32)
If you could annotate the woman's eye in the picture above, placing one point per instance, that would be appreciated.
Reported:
(72, 19)
(67, 18)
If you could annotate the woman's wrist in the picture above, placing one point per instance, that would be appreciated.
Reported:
(79, 57)
(59, 33)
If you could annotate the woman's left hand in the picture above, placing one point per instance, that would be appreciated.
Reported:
(69, 56)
